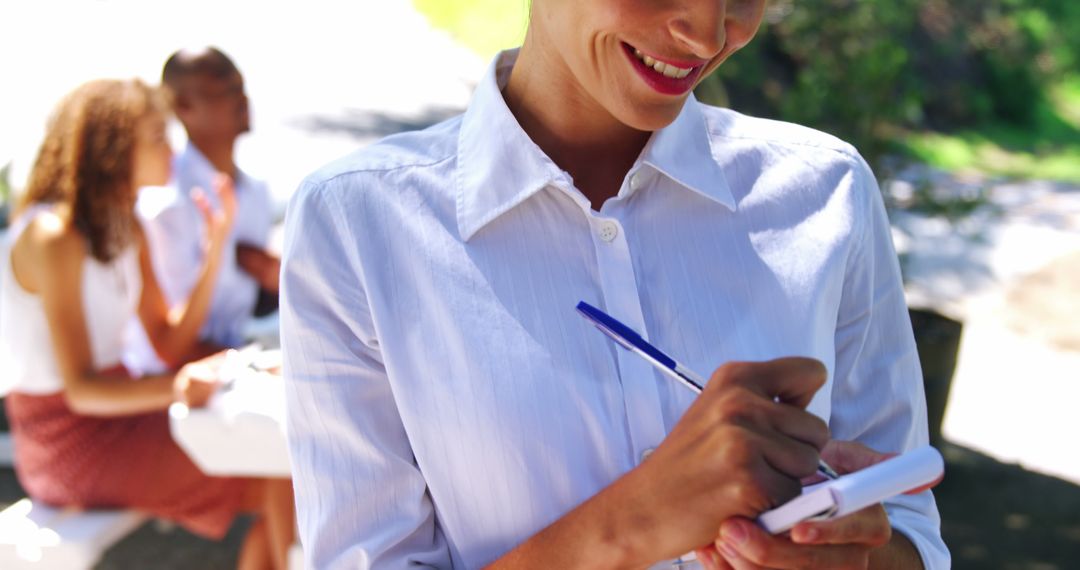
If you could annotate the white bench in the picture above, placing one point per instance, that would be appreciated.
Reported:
(37, 537)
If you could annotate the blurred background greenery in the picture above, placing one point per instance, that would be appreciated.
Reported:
(986, 85)
(486, 26)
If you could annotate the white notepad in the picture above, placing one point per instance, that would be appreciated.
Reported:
(857, 490)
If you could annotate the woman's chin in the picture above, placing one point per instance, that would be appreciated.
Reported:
(650, 117)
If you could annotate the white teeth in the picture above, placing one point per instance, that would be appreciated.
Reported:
(666, 69)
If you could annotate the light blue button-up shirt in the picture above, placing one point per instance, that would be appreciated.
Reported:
(176, 234)
(445, 400)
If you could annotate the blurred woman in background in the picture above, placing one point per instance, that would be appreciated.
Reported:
(87, 434)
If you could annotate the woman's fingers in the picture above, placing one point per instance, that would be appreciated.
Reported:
(789, 437)
(195, 383)
(198, 195)
(792, 380)
(740, 449)
(747, 547)
(869, 526)
(220, 217)
(226, 194)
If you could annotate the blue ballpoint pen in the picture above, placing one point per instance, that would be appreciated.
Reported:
(632, 341)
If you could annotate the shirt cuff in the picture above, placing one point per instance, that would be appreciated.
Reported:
(924, 534)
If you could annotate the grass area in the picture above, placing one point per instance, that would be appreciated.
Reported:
(485, 26)
(1048, 150)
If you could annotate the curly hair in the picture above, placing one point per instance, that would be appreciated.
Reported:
(87, 158)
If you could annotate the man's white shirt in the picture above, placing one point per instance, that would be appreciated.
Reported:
(176, 234)
(445, 401)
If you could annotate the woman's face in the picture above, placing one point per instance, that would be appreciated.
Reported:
(152, 158)
(640, 59)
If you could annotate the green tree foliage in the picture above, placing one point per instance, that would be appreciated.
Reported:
(866, 70)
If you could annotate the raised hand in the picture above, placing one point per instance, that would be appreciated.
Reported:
(219, 220)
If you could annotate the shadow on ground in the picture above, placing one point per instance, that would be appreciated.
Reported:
(366, 125)
(998, 515)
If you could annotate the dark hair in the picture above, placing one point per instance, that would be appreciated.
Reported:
(185, 63)
(86, 160)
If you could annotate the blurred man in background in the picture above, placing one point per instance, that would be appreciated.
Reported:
(206, 92)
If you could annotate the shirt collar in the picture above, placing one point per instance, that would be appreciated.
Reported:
(499, 166)
(683, 152)
(194, 165)
(193, 162)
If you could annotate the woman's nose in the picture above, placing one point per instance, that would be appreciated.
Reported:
(699, 26)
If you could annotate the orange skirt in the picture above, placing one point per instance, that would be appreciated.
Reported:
(65, 459)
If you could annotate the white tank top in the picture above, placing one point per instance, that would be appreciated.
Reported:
(110, 294)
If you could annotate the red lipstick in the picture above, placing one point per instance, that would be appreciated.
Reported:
(660, 82)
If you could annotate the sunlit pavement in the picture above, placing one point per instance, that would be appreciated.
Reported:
(1010, 271)
(1015, 396)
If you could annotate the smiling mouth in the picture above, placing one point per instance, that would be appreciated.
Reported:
(665, 69)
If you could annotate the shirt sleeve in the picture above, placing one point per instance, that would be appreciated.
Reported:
(878, 396)
(361, 500)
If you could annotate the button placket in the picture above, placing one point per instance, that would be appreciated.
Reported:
(621, 298)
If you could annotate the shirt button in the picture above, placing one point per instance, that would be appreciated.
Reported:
(608, 230)
(645, 454)
(635, 181)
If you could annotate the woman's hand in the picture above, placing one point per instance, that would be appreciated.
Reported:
(218, 220)
(197, 381)
(740, 449)
(845, 542)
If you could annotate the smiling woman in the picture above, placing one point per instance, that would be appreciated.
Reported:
(432, 351)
